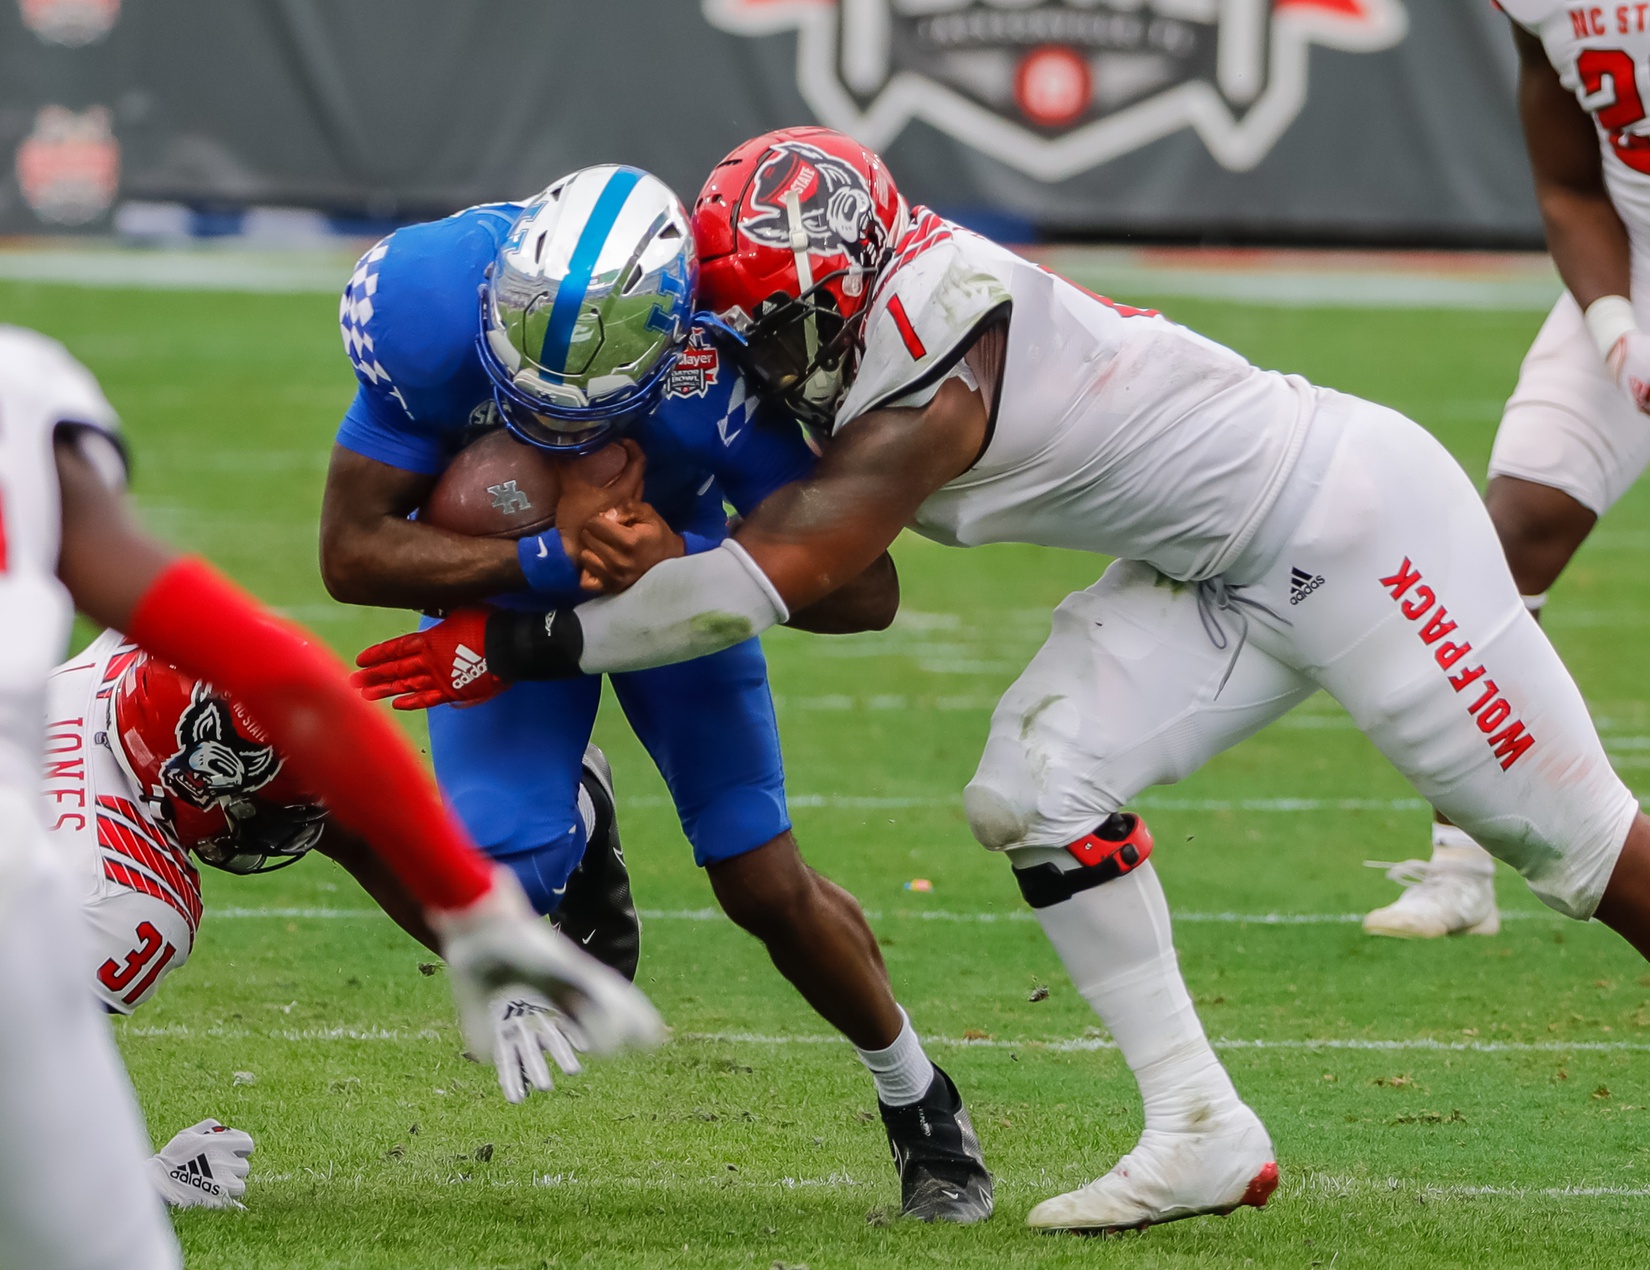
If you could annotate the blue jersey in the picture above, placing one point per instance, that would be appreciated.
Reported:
(410, 316)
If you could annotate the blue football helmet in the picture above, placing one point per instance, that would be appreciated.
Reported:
(587, 306)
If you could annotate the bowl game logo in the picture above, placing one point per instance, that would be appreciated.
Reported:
(71, 22)
(1056, 87)
(69, 167)
(696, 370)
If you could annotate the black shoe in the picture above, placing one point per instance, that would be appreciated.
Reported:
(596, 910)
(942, 1175)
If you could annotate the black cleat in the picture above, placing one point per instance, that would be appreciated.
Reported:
(942, 1175)
(596, 911)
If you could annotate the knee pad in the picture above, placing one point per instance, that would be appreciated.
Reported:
(997, 821)
(1119, 845)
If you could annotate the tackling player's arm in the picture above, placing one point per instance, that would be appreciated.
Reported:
(372, 554)
(379, 881)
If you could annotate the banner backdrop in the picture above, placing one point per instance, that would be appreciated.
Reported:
(1360, 119)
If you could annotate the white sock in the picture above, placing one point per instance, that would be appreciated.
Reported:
(1117, 947)
(1453, 847)
(902, 1071)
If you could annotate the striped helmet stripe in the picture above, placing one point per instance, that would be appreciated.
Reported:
(564, 314)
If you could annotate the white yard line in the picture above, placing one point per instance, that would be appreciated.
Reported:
(332, 1033)
(878, 915)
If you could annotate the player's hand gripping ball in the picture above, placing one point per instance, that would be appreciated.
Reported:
(596, 484)
(444, 665)
(623, 544)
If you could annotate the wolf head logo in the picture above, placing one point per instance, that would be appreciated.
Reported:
(214, 761)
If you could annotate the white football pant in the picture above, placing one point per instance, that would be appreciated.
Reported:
(1392, 594)
(73, 1194)
(1568, 425)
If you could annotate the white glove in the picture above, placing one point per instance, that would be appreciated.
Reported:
(203, 1166)
(526, 1027)
(1629, 362)
(498, 945)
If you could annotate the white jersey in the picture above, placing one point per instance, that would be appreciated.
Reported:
(1602, 54)
(41, 386)
(1115, 430)
(139, 891)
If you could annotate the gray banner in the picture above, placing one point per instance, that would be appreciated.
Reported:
(1362, 119)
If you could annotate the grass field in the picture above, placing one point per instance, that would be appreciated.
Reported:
(1480, 1102)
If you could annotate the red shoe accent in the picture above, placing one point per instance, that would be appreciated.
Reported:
(1261, 1188)
(1122, 841)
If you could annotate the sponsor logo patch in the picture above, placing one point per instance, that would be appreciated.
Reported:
(468, 666)
(696, 370)
(1056, 87)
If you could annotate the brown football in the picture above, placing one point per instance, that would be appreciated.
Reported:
(496, 487)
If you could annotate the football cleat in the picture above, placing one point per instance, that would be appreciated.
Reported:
(597, 912)
(1221, 1166)
(942, 1174)
(1451, 894)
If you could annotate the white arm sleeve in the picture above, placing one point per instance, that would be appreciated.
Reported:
(681, 609)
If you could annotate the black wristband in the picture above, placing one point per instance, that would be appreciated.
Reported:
(535, 645)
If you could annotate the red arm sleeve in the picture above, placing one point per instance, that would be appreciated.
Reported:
(336, 744)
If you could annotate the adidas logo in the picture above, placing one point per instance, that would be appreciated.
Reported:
(1302, 584)
(468, 666)
(197, 1173)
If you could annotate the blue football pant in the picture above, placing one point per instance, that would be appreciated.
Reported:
(510, 766)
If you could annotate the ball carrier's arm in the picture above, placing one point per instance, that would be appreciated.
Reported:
(803, 542)
(372, 554)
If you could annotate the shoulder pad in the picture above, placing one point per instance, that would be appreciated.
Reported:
(41, 380)
(1529, 14)
(410, 311)
(927, 310)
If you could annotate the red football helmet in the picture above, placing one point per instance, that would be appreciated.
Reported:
(208, 771)
(792, 229)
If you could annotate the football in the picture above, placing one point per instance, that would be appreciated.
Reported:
(496, 487)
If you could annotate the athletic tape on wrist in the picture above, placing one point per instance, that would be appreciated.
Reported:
(535, 645)
(1609, 318)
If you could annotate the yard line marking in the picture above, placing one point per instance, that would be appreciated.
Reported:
(1084, 1044)
(326, 1033)
(918, 914)
(853, 802)
(1336, 1186)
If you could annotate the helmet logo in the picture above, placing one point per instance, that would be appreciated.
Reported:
(213, 760)
(834, 200)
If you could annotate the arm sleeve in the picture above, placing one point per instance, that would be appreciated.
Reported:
(336, 745)
(684, 608)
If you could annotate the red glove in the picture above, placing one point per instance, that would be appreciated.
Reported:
(444, 665)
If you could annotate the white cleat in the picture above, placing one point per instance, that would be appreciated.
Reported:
(1168, 1176)
(1451, 894)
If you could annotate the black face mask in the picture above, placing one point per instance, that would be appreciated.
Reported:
(774, 354)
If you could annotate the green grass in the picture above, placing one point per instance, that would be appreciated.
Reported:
(321, 1037)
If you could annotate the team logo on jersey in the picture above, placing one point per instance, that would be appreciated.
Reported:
(695, 371)
(833, 201)
(1055, 87)
(70, 22)
(69, 167)
(214, 761)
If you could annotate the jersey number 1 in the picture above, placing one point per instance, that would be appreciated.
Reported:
(1594, 66)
